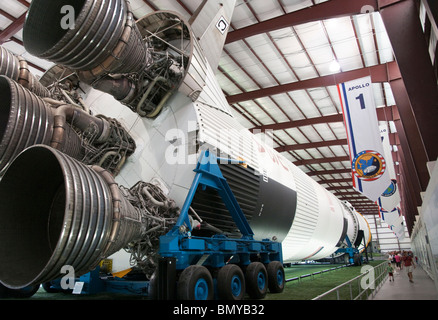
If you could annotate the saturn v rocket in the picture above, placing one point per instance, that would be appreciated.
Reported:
(98, 154)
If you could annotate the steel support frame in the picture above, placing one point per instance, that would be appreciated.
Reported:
(416, 95)
(415, 88)
(214, 251)
(402, 22)
(12, 29)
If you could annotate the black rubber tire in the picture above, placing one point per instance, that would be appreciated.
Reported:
(276, 279)
(256, 279)
(4, 292)
(231, 283)
(23, 293)
(357, 258)
(195, 283)
(152, 288)
(47, 286)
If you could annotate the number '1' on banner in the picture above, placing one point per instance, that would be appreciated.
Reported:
(368, 164)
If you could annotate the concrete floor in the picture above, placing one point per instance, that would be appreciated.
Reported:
(423, 287)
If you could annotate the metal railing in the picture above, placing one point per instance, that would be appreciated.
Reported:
(313, 274)
(365, 285)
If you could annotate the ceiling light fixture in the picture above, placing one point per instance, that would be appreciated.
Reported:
(335, 66)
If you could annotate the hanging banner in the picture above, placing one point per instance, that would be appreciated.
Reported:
(390, 199)
(395, 222)
(368, 164)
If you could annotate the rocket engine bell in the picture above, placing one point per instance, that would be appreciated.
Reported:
(17, 69)
(56, 226)
(141, 64)
(27, 119)
(70, 214)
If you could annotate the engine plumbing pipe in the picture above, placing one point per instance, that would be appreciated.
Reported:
(86, 123)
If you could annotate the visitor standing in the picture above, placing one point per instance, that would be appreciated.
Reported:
(409, 264)
(390, 272)
(393, 262)
(398, 261)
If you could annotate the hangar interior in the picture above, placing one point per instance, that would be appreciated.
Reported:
(279, 69)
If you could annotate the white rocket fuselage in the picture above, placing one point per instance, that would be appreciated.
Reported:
(305, 217)
(280, 201)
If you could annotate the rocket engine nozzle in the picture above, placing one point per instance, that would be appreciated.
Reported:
(140, 63)
(102, 45)
(102, 38)
(64, 213)
(16, 68)
(26, 120)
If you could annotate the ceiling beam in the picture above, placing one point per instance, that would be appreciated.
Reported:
(405, 32)
(325, 10)
(299, 123)
(322, 172)
(12, 29)
(7, 15)
(383, 114)
(348, 193)
(321, 160)
(393, 137)
(340, 188)
(366, 206)
(327, 181)
(361, 198)
(416, 95)
(24, 3)
(310, 145)
(380, 73)
(411, 140)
